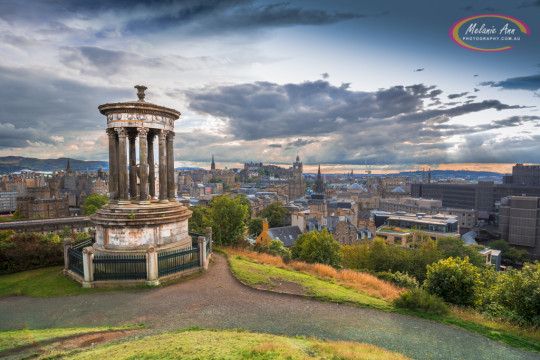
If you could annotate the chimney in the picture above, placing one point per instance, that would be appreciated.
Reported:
(265, 225)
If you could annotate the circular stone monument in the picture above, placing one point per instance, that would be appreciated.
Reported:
(134, 219)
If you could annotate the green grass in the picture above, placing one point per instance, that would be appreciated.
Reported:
(45, 282)
(14, 338)
(207, 344)
(252, 273)
(51, 282)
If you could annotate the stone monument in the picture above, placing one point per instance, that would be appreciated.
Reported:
(134, 219)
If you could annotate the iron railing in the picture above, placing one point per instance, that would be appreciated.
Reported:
(173, 261)
(76, 262)
(120, 267)
(81, 245)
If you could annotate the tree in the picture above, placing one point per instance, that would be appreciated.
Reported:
(455, 247)
(509, 254)
(454, 280)
(255, 227)
(93, 203)
(200, 219)
(318, 247)
(378, 257)
(227, 218)
(276, 214)
(242, 198)
(517, 294)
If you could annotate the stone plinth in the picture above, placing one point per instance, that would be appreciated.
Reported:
(133, 228)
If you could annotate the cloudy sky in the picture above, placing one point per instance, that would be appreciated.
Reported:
(341, 83)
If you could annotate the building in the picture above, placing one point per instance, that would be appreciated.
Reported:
(297, 186)
(526, 175)
(40, 202)
(286, 234)
(319, 184)
(8, 201)
(519, 223)
(482, 197)
(406, 229)
(467, 218)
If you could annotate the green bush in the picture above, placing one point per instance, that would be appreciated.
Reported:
(517, 295)
(454, 280)
(420, 301)
(19, 252)
(317, 247)
(405, 280)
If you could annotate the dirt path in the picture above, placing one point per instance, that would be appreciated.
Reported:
(217, 300)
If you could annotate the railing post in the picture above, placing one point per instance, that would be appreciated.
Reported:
(88, 267)
(201, 241)
(208, 233)
(67, 246)
(152, 267)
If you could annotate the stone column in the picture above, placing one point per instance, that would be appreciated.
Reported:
(122, 167)
(208, 234)
(152, 267)
(170, 167)
(132, 167)
(163, 167)
(201, 242)
(143, 158)
(151, 166)
(113, 159)
(67, 246)
(88, 267)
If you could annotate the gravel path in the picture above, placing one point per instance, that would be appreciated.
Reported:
(216, 299)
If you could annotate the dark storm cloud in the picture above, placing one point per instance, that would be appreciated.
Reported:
(299, 143)
(531, 82)
(455, 96)
(39, 106)
(95, 60)
(389, 126)
(268, 110)
(215, 16)
(325, 75)
(274, 145)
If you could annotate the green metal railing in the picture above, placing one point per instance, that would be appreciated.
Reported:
(173, 261)
(81, 245)
(120, 267)
(75, 262)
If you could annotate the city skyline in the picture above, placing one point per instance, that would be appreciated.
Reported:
(345, 84)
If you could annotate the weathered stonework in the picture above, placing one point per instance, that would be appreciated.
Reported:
(134, 221)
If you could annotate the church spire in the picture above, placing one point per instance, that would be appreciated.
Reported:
(213, 165)
(68, 168)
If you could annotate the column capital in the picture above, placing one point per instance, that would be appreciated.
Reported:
(142, 131)
(111, 132)
(162, 134)
(121, 132)
(170, 135)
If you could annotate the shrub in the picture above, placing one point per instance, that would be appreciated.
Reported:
(405, 280)
(420, 301)
(19, 252)
(454, 280)
(517, 295)
(318, 247)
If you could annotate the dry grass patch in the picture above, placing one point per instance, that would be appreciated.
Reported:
(362, 282)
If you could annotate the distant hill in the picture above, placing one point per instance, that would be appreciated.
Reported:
(10, 164)
(436, 174)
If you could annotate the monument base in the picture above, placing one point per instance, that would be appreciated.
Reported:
(133, 228)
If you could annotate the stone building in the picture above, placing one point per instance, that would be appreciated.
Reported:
(297, 186)
(519, 223)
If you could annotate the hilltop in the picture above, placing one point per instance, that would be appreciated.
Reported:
(10, 164)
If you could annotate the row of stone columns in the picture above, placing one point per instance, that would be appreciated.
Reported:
(123, 185)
